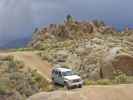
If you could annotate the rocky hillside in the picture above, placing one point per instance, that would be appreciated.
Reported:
(93, 49)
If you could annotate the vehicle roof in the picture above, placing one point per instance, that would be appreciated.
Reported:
(63, 69)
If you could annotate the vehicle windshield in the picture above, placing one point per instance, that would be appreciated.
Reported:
(68, 73)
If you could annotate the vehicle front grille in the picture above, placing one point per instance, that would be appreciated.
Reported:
(76, 80)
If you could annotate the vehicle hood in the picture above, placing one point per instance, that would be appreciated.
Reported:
(72, 77)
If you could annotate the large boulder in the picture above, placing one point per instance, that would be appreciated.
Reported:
(114, 61)
(124, 63)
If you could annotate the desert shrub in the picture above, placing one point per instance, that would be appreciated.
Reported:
(98, 23)
(39, 54)
(69, 18)
(43, 84)
(24, 81)
(120, 79)
(117, 73)
(47, 57)
(130, 79)
(89, 82)
(98, 82)
(104, 82)
(4, 86)
(6, 58)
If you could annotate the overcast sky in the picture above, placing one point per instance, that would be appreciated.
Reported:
(18, 18)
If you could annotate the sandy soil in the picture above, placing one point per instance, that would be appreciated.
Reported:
(114, 92)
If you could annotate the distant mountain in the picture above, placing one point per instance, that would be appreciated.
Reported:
(17, 43)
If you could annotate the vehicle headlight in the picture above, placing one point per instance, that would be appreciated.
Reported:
(69, 81)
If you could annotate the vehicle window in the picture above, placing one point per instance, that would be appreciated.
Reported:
(68, 73)
(59, 74)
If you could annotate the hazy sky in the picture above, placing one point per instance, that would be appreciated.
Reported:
(19, 17)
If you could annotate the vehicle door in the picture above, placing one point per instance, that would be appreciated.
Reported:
(60, 78)
(55, 75)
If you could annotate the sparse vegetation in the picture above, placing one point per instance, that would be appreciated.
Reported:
(4, 86)
(89, 82)
(104, 82)
(26, 82)
(122, 78)
(99, 82)
(119, 78)
(69, 18)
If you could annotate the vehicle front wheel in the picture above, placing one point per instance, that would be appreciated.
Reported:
(53, 81)
(66, 86)
(80, 86)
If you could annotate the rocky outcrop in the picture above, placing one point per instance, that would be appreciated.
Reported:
(116, 92)
(124, 63)
(69, 30)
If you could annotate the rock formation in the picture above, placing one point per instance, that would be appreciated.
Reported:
(93, 49)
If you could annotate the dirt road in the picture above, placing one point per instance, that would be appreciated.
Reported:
(32, 60)
(115, 92)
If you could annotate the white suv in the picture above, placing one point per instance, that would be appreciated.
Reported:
(66, 77)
